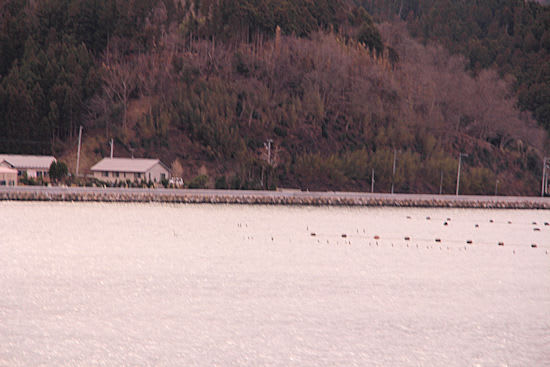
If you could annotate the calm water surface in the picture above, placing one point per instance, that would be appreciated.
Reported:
(157, 285)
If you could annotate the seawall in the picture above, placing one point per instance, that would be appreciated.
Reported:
(82, 194)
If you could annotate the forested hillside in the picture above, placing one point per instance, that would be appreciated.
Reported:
(511, 35)
(205, 84)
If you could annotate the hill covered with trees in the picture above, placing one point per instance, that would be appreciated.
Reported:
(512, 36)
(204, 85)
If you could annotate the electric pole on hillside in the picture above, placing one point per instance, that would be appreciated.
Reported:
(78, 151)
(460, 155)
(112, 144)
(393, 172)
(545, 176)
(268, 147)
(372, 182)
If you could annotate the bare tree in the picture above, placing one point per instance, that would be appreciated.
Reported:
(119, 79)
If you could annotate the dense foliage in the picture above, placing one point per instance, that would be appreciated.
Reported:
(205, 84)
(511, 35)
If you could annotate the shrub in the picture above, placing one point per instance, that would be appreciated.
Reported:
(199, 182)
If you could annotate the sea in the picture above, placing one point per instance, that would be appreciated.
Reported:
(110, 284)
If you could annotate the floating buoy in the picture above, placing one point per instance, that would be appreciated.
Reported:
(536, 229)
(408, 217)
(445, 224)
(534, 245)
(438, 240)
(344, 235)
(477, 226)
(534, 223)
(509, 222)
(376, 237)
(428, 218)
(469, 242)
(407, 238)
(491, 221)
(546, 224)
(501, 243)
(313, 234)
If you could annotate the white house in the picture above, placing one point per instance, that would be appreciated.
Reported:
(133, 169)
(34, 166)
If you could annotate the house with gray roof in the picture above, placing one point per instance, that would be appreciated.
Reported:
(133, 169)
(34, 166)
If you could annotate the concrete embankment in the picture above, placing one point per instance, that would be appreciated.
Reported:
(268, 198)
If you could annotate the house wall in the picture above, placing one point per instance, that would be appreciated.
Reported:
(156, 172)
(117, 176)
(36, 172)
(8, 178)
(31, 172)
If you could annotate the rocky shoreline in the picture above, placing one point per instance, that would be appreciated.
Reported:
(269, 198)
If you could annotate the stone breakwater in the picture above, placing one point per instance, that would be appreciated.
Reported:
(269, 198)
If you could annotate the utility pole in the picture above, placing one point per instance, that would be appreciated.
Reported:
(112, 144)
(441, 183)
(460, 155)
(78, 151)
(372, 182)
(268, 146)
(545, 175)
(393, 172)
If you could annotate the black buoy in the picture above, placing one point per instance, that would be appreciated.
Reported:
(438, 240)
(491, 221)
(313, 234)
(501, 243)
(407, 238)
(469, 242)
(344, 235)
(477, 226)
(536, 229)
(534, 245)
(445, 224)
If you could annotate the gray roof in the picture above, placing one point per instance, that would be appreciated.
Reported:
(125, 165)
(28, 161)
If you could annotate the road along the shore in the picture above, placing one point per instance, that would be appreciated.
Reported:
(92, 194)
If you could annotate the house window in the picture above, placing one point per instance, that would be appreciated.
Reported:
(105, 174)
(138, 175)
(162, 176)
(20, 173)
(45, 173)
(116, 174)
(38, 173)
